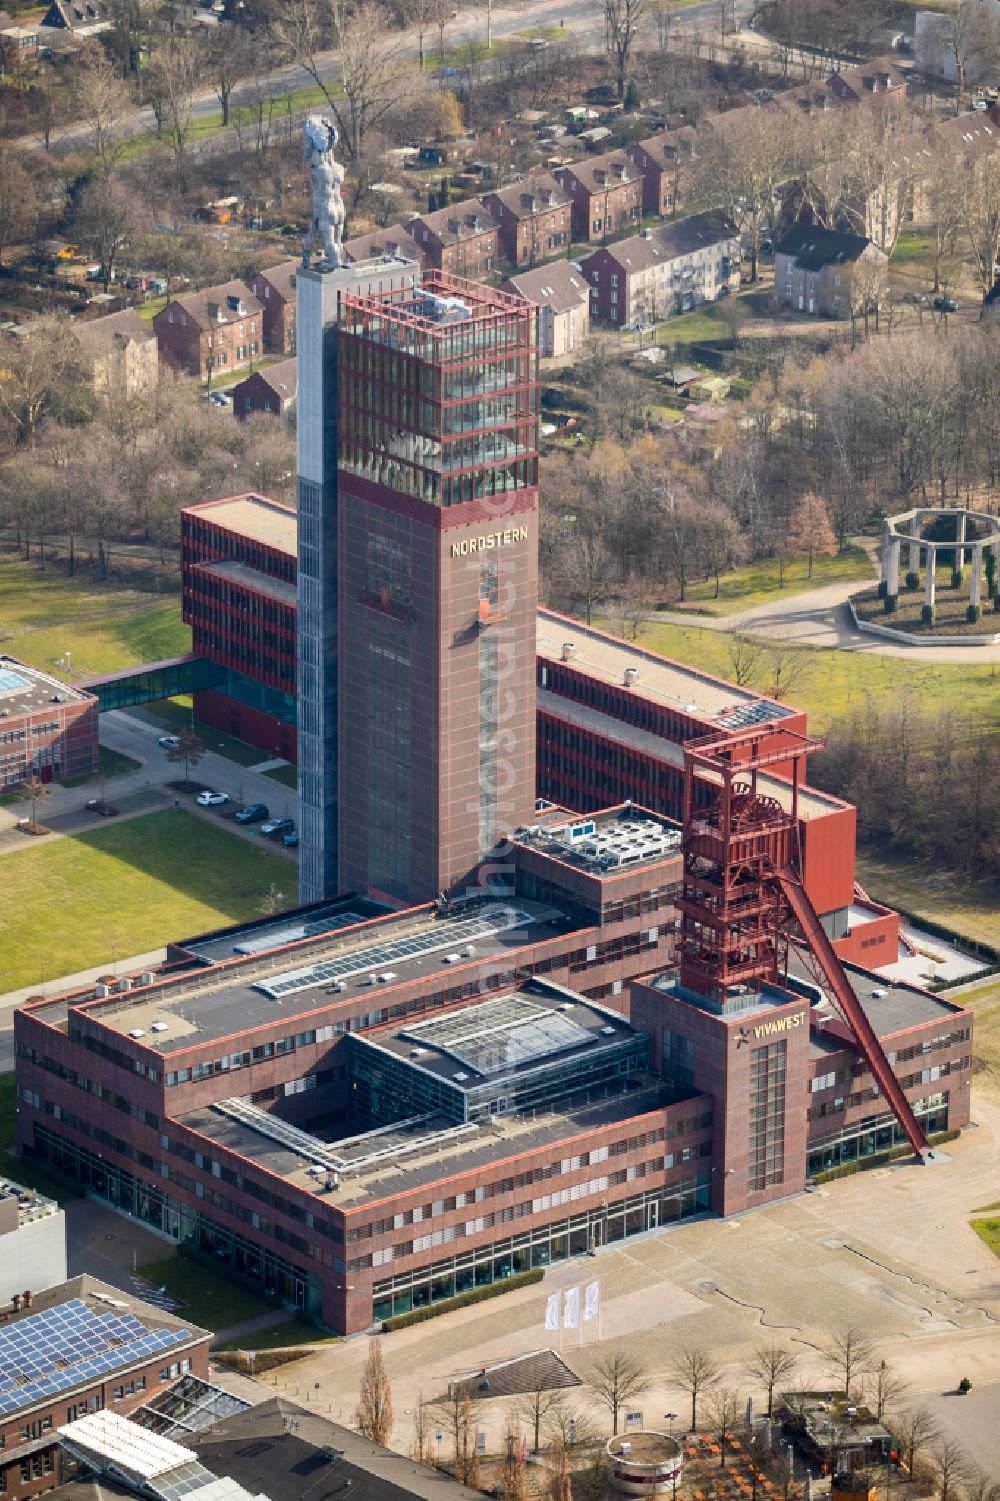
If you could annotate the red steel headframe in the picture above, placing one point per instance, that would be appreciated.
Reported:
(744, 899)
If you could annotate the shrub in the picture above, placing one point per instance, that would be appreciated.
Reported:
(890, 603)
(883, 588)
(878, 1159)
(974, 613)
(463, 1300)
(965, 1385)
(913, 581)
(957, 578)
(927, 614)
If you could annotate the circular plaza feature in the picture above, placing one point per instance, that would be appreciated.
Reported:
(645, 1463)
(939, 576)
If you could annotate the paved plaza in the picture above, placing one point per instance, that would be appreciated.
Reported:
(888, 1250)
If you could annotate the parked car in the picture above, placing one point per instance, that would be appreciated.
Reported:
(105, 809)
(210, 799)
(169, 742)
(275, 826)
(945, 305)
(291, 840)
(252, 813)
(220, 399)
(919, 299)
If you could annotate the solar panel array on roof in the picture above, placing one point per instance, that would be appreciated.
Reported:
(273, 938)
(380, 958)
(59, 1348)
(12, 682)
(745, 716)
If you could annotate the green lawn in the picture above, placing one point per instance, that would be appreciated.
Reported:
(126, 889)
(285, 1336)
(690, 328)
(989, 1233)
(288, 776)
(104, 629)
(112, 764)
(913, 250)
(833, 681)
(940, 896)
(175, 714)
(208, 1299)
(757, 583)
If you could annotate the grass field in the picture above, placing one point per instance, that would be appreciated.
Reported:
(941, 896)
(282, 1336)
(832, 681)
(984, 1003)
(174, 714)
(756, 583)
(103, 629)
(209, 1300)
(913, 250)
(989, 1233)
(949, 617)
(125, 890)
(288, 776)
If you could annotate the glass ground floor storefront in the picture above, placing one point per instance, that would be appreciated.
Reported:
(267, 1273)
(875, 1135)
(539, 1247)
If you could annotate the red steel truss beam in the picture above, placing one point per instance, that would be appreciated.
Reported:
(850, 1007)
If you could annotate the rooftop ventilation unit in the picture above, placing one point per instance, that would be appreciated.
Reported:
(607, 1031)
(160, 1027)
(469, 951)
(452, 958)
(387, 978)
(568, 651)
(460, 1078)
(137, 1032)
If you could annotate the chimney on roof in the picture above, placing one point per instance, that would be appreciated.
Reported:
(27, 1298)
(568, 651)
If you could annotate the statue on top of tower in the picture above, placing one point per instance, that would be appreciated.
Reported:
(326, 175)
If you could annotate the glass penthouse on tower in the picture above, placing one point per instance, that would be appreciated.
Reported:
(439, 391)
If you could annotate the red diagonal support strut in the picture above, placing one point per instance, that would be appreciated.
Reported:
(851, 1008)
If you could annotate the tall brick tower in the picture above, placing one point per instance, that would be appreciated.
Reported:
(437, 569)
(319, 291)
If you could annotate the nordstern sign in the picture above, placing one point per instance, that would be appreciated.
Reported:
(491, 539)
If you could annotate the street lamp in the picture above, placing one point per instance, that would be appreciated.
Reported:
(671, 1418)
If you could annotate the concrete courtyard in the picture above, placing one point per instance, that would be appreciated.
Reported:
(890, 1251)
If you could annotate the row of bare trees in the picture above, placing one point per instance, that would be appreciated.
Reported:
(616, 1379)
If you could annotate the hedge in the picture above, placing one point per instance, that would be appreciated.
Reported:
(847, 1169)
(474, 1295)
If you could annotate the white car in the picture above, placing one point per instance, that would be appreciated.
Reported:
(210, 799)
(169, 742)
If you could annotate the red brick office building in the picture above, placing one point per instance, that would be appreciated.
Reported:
(48, 729)
(238, 568)
(76, 1348)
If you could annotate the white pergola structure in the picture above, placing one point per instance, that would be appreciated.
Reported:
(975, 533)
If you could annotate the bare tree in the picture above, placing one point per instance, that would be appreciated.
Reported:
(376, 77)
(849, 1354)
(456, 1412)
(622, 20)
(180, 67)
(229, 57)
(913, 1432)
(102, 102)
(810, 534)
(33, 790)
(695, 1372)
(951, 1468)
(513, 1478)
(770, 1364)
(743, 166)
(270, 904)
(615, 1378)
(981, 1487)
(420, 1447)
(538, 1406)
(745, 655)
(17, 201)
(886, 1388)
(106, 220)
(724, 1409)
(945, 190)
(373, 1415)
(189, 750)
(41, 374)
(981, 215)
(786, 664)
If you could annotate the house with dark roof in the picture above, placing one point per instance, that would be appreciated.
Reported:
(271, 390)
(666, 163)
(663, 271)
(463, 238)
(211, 332)
(562, 296)
(607, 194)
(275, 291)
(823, 271)
(123, 352)
(81, 17)
(396, 240)
(535, 219)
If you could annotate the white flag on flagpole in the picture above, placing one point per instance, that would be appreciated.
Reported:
(571, 1308)
(592, 1300)
(552, 1311)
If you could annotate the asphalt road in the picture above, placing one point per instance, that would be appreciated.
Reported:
(468, 25)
